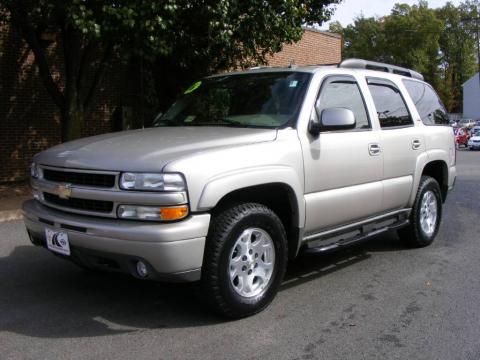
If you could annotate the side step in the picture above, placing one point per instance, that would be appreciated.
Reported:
(344, 236)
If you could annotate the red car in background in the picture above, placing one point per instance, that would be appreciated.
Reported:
(461, 137)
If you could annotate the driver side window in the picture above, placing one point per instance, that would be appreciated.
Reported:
(343, 93)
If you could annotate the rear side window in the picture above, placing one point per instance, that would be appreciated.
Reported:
(429, 105)
(391, 108)
(344, 93)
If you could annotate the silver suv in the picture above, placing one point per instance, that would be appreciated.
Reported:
(244, 172)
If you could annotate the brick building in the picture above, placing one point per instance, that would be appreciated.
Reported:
(30, 121)
(316, 47)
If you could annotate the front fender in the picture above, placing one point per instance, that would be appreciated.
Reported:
(218, 187)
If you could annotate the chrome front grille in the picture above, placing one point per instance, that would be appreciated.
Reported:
(80, 178)
(79, 204)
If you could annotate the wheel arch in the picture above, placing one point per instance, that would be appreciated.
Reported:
(432, 163)
(438, 169)
(280, 197)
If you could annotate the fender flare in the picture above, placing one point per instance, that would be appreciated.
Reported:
(220, 186)
(422, 161)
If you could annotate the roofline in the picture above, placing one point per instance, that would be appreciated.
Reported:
(471, 79)
(323, 32)
(312, 69)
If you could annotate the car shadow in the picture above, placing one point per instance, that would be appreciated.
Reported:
(46, 297)
(310, 267)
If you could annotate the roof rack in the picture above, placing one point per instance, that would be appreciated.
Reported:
(372, 65)
(259, 67)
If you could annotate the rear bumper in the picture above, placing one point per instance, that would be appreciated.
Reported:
(172, 251)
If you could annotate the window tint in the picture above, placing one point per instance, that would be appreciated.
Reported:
(243, 100)
(344, 94)
(391, 108)
(428, 104)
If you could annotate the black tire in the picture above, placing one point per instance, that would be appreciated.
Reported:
(413, 235)
(215, 287)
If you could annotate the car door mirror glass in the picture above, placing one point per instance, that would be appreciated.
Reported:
(337, 119)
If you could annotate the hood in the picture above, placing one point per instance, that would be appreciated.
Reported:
(147, 149)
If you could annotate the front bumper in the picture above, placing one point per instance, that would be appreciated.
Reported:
(172, 251)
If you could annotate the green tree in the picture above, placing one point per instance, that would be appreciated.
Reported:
(435, 42)
(457, 49)
(412, 34)
(213, 34)
(365, 38)
(89, 33)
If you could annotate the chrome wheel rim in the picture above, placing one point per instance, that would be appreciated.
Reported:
(251, 262)
(428, 213)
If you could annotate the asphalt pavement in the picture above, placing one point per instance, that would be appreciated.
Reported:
(376, 300)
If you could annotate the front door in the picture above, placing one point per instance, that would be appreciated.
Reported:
(343, 169)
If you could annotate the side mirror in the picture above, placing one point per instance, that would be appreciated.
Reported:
(333, 119)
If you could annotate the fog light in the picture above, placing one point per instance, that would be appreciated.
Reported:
(142, 270)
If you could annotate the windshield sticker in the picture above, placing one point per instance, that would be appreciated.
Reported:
(189, 118)
(293, 83)
(192, 88)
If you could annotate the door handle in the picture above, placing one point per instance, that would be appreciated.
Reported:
(416, 144)
(374, 149)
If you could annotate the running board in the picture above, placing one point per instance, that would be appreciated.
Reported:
(347, 235)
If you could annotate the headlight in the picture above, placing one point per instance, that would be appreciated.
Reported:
(34, 171)
(152, 182)
(154, 213)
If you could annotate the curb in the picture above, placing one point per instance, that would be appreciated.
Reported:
(10, 215)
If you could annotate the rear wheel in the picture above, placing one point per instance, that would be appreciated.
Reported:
(245, 260)
(425, 216)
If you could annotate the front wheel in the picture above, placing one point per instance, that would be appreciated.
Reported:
(425, 216)
(245, 260)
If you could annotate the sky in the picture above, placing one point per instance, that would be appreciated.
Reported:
(349, 9)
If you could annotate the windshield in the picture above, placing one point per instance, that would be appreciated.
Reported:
(268, 100)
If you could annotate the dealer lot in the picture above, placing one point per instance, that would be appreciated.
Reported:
(375, 300)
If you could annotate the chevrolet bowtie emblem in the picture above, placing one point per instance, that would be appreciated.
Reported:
(63, 191)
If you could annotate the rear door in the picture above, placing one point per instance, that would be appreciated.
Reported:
(402, 142)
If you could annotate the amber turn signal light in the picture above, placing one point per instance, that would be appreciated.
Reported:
(174, 213)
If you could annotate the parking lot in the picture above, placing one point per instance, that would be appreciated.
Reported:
(376, 300)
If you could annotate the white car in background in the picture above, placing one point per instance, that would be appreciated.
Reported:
(470, 123)
(474, 141)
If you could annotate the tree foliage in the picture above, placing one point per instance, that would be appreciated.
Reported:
(435, 42)
(211, 34)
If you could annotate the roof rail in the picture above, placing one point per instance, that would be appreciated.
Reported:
(259, 67)
(372, 65)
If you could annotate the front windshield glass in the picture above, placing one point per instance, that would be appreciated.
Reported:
(268, 100)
